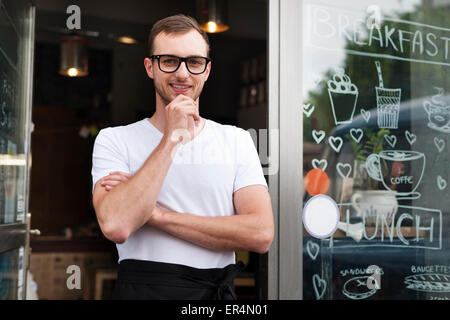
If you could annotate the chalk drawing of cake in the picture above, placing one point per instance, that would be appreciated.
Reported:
(343, 97)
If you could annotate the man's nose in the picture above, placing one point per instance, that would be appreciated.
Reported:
(182, 72)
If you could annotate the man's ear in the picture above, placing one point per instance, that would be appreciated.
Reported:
(207, 71)
(149, 67)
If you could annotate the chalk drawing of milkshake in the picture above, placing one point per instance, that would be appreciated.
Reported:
(388, 103)
(343, 97)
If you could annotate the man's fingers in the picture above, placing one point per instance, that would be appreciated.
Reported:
(187, 106)
(111, 183)
(191, 125)
(120, 173)
(182, 97)
(193, 112)
(195, 115)
(116, 176)
(182, 115)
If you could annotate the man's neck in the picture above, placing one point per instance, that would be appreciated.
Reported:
(158, 120)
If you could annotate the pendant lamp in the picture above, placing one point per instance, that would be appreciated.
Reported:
(74, 58)
(213, 15)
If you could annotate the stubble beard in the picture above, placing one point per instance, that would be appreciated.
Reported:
(167, 98)
(164, 98)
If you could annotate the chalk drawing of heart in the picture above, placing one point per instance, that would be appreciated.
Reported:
(333, 140)
(411, 137)
(318, 135)
(440, 143)
(442, 184)
(366, 115)
(356, 134)
(319, 285)
(320, 164)
(392, 140)
(308, 109)
(313, 249)
(344, 169)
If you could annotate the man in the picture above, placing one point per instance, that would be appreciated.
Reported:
(179, 193)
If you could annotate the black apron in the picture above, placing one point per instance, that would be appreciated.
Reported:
(148, 280)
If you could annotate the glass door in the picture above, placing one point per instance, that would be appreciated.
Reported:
(16, 57)
(376, 133)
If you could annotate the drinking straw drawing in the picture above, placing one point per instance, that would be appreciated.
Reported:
(380, 76)
(388, 103)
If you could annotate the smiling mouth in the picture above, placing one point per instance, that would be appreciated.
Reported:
(179, 87)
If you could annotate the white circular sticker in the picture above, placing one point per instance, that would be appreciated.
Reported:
(321, 216)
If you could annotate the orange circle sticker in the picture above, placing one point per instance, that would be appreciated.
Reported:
(317, 182)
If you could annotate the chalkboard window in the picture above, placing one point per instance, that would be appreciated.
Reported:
(377, 101)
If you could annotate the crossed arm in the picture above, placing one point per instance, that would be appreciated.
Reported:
(251, 228)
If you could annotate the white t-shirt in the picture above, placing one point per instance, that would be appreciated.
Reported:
(201, 180)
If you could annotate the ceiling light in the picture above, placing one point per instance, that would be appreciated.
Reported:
(211, 27)
(72, 72)
(127, 40)
(74, 58)
(213, 15)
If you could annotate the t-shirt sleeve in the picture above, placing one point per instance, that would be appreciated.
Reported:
(107, 156)
(248, 166)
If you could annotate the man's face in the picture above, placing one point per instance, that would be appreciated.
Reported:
(169, 85)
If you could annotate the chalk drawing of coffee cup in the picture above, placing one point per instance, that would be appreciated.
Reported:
(343, 97)
(400, 171)
(438, 112)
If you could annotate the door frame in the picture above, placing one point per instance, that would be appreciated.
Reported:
(29, 129)
(285, 278)
(16, 235)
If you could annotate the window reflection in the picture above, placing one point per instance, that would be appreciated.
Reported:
(376, 119)
(13, 110)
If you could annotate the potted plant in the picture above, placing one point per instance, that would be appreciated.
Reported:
(372, 143)
(371, 199)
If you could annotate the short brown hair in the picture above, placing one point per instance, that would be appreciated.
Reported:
(178, 23)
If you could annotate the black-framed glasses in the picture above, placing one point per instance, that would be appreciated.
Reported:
(169, 63)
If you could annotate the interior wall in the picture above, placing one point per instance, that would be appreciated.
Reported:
(59, 186)
(132, 91)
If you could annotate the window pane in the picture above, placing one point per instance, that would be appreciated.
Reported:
(14, 93)
(9, 274)
(377, 122)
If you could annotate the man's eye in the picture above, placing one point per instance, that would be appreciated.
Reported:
(170, 61)
(195, 61)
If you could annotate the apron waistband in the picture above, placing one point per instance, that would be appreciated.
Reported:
(160, 273)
